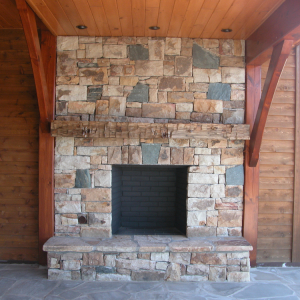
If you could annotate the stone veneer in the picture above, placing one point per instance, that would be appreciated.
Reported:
(149, 80)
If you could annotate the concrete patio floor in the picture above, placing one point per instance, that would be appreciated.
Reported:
(28, 282)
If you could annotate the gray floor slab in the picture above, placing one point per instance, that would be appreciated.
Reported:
(29, 282)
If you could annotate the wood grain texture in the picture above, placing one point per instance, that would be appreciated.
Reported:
(276, 183)
(176, 18)
(46, 149)
(296, 222)
(251, 190)
(19, 121)
(278, 59)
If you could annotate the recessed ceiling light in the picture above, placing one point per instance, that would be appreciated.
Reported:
(226, 30)
(81, 27)
(154, 27)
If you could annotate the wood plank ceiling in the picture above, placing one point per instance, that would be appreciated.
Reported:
(176, 18)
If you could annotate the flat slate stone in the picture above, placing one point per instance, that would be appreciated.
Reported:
(83, 179)
(150, 153)
(235, 175)
(138, 52)
(219, 91)
(87, 65)
(105, 270)
(204, 59)
(140, 93)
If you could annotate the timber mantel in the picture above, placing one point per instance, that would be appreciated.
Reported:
(93, 129)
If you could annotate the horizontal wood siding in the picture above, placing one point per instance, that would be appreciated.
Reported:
(276, 181)
(19, 120)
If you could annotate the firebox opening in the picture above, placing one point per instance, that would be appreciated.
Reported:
(149, 200)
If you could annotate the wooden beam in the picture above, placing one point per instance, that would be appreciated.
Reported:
(251, 186)
(296, 213)
(284, 23)
(46, 149)
(31, 34)
(278, 59)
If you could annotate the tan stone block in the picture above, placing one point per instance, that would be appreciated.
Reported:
(188, 156)
(158, 110)
(186, 107)
(110, 40)
(171, 84)
(112, 90)
(201, 231)
(64, 145)
(93, 50)
(176, 156)
(180, 97)
(164, 156)
(117, 106)
(183, 66)
(103, 62)
(102, 178)
(67, 43)
(115, 51)
(186, 52)
(96, 194)
(129, 70)
(198, 143)
(217, 190)
(169, 68)
(81, 107)
(153, 95)
(129, 80)
(173, 46)
(233, 75)
(156, 49)
(86, 39)
(108, 142)
(114, 155)
(71, 92)
(162, 97)
(204, 204)
(93, 259)
(235, 231)
(230, 218)
(62, 80)
(217, 143)
(202, 178)
(227, 205)
(179, 142)
(180, 258)
(239, 47)
(103, 207)
(135, 155)
(234, 191)
(64, 180)
(232, 61)
(182, 115)
(217, 274)
(207, 75)
(133, 112)
(198, 190)
(125, 155)
(199, 87)
(134, 104)
(196, 218)
(232, 156)
(208, 106)
(210, 43)
(96, 160)
(197, 270)
(102, 107)
(131, 142)
(66, 63)
(237, 95)
(90, 151)
(149, 68)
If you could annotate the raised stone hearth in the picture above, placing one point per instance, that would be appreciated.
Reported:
(171, 258)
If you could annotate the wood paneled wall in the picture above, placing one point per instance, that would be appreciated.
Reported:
(19, 120)
(276, 181)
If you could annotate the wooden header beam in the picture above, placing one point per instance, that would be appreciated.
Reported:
(284, 23)
(31, 34)
(278, 59)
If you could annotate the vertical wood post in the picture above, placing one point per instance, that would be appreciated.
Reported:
(251, 187)
(296, 215)
(46, 149)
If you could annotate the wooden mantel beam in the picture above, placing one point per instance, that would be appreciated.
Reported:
(279, 56)
(31, 34)
(284, 23)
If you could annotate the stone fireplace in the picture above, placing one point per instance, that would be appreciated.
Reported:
(149, 160)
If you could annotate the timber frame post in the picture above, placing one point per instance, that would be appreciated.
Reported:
(43, 61)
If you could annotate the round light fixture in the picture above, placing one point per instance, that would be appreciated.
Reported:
(81, 27)
(154, 27)
(226, 30)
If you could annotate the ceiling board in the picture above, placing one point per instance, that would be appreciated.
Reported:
(176, 18)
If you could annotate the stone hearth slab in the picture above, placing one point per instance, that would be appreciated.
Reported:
(148, 243)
